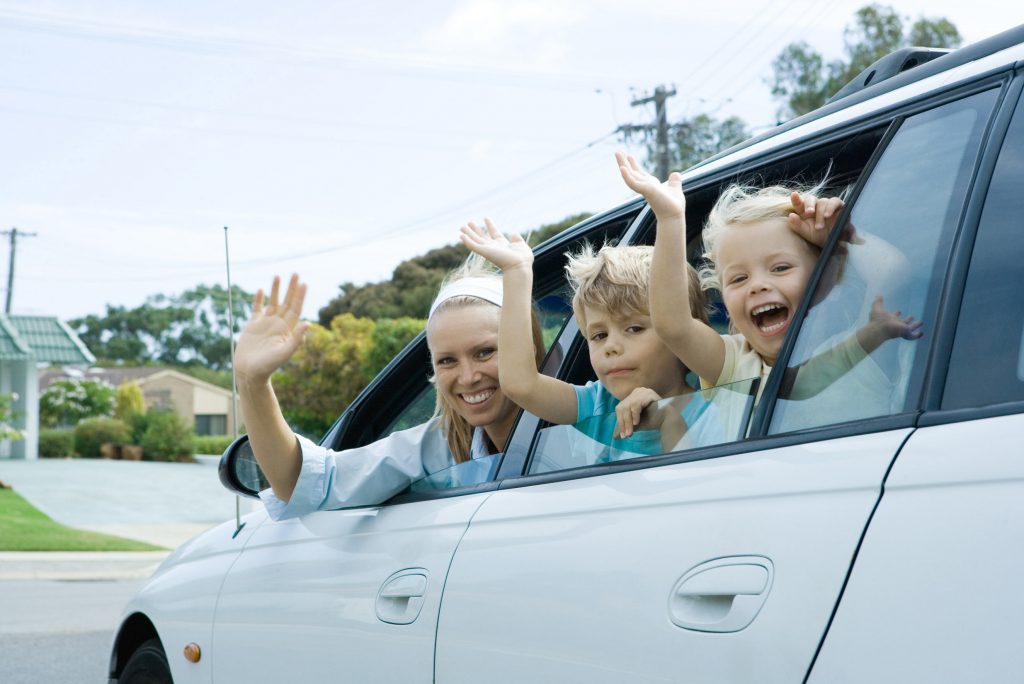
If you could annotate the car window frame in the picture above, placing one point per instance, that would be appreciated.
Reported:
(757, 438)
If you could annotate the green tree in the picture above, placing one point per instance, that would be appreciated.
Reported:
(180, 330)
(802, 80)
(67, 402)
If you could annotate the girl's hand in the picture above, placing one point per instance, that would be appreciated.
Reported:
(666, 199)
(891, 324)
(272, 334)
(814, 218)
(630, 410)
(506, 253)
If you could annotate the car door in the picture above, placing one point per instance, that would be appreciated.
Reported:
(933, 594)
(723, 564)
(353, 595)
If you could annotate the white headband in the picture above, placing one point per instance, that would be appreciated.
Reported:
(487, 289)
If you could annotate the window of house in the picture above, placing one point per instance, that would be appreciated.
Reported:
(211, 424)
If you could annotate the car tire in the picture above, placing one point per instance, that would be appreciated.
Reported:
(148, 665)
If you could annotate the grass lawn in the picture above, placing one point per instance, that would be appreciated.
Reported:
(24, 528)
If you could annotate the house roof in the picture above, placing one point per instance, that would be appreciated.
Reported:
(12, 347)
(41, 338)
(116, 376)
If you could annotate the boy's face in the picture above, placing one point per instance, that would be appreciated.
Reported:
(764, 269)
(626, 354)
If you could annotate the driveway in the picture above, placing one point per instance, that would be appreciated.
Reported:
(160, 503)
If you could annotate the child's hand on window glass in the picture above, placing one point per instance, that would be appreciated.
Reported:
(814, 218)
(630, 410)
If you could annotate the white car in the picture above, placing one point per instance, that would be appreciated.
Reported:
(872, 532)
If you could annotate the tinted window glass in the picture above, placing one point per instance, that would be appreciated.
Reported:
(699, 419)
(987, 365)
(857, 355)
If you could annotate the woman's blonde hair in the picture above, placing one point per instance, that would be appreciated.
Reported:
(458, 432)
(617, 280)
(742, 205)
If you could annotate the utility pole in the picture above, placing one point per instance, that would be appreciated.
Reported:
(660, 126)
(14, 233)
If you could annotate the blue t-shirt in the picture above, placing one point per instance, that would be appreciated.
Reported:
(595, 417)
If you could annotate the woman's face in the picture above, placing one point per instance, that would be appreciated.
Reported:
(463, 345)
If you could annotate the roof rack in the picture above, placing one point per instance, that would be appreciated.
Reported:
(892, 64)
(1000, 41)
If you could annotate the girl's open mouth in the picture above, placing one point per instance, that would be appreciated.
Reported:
(478, 397)
(770, 319)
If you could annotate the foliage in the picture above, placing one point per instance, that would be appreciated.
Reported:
(691, 140)
(189, 328)
(56, 443)
(414, 282)
(8, 431)
(92, 433)
(128, 401)
(212, 444)
(67, 401)
(167, 436)
(802, 80)
(334, 364)
(24, 528)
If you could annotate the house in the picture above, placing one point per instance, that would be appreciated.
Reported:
(209, 409)
(26, 342)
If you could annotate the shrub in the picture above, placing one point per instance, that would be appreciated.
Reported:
(56, 443)
(91, 433)
(213, 444)
(128, 401)
(68, 401)
(167, 437)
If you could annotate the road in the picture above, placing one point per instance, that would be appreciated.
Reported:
(59, 632)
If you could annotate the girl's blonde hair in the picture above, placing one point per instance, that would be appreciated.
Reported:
(617, 280)
(458, 432)
(740, 205)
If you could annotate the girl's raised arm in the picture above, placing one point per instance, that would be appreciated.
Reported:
(694, 343)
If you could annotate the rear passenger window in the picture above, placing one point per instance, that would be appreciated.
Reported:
(987, 364)
(847, 364)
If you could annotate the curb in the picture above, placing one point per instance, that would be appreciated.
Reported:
(84, 565)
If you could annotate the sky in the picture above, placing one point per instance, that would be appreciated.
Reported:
(336, 139)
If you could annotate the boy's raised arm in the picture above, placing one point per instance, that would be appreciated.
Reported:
(698, 346)
(546, 397)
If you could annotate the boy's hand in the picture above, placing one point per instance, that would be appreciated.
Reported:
(814, 218)
(505, 253)
(272, 334)
(891, 325)
(666, 199)
(631, 409)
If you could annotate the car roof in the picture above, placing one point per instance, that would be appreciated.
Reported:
(999, 52)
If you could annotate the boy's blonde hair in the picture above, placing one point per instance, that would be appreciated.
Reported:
(745, 204)
(459, 433)
(618, 279)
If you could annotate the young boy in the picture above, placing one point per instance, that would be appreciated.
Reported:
(633, 366)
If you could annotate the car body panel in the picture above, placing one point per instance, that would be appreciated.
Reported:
(571, 581)
(304, 596)
(933, 595)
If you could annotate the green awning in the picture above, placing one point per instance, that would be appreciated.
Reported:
(42, 338)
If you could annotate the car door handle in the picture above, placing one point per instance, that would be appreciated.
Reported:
(723, 595)
(400, 598)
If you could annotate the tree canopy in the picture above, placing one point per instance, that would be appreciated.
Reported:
(803, 80)
(414, 282)
(190, 328)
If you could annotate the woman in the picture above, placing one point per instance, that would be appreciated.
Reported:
(473, 417)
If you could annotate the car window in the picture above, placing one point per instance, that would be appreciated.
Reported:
(699, 419)
(987, 363)
(858, 354)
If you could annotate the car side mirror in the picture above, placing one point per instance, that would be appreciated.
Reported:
(239, 471)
